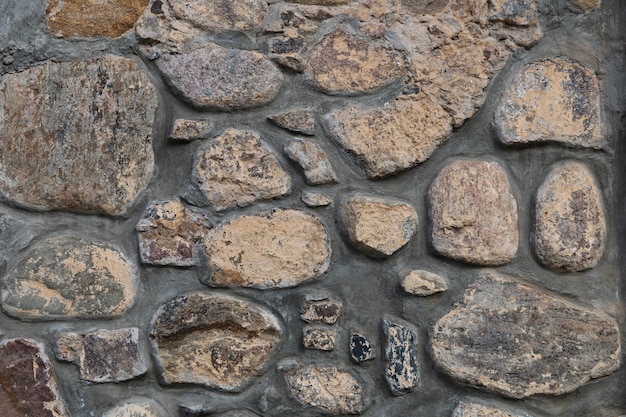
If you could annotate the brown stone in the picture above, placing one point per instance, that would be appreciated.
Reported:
(514, 12)
(570, 226)
(423, 283)
(514, 339)
(237, 168)
(378, 226)
(94, 160)
(144, 408)
(80, 18)
(466, 409)
(186, 130)
(474, 213)
(300, 121)
(27, 386)
(324, 310)
(278, 248)
(313, 160)
(586, 5)
(221, 14)
(312, 199)
(552, 101)
(319, 338)
(214, 340)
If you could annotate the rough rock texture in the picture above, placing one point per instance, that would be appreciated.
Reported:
(95, 160)
(586, 5)
(237, 169)
(206, 411)
(111, 18)
(325, 310)
(313, 160)
(423, 283)
(168, 233)
(299, 121)
(360, 348)
(570, 227)
(378, 226)
(401, 368)
(214, 340)
(553, 100)
(186, 130)
(312, 199)
(474, 213)
(15, 235)
(465, 409)
(134, 409)
(514, 339)
(221, 14)
(213, 77)
(319, 338)
(27, 386)
(66, 277)
(278, 248)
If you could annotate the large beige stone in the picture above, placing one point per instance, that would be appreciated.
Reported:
(93, 160)
(467, 409)
(570, 226)
(474, 213)
(278, 248)
(221, 14)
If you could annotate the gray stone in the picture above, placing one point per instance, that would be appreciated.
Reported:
(324, 310)
(312, 199)
(402, 367)
(221, 14)
(313, 160)
(15, 235)
(360, 348)
(467, 409)
(514, 339)
(423, 283)
(319, 338)
(299, 121)
(188, 130)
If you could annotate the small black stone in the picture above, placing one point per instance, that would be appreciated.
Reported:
(360, 348)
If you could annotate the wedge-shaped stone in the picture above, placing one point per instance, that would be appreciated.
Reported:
(221, 14)
(512, 338)
(466, 409)
(570, 226)
(215, 340)
(313, 160)
(402, 367)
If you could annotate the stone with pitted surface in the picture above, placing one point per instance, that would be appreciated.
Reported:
(401, 368)
(187, 130)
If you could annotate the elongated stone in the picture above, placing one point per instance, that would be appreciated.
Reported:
(514, 339)
(300, 121)
(423, 283)
(142, 408)
(402, 368)
(467, 409)
(324, 310)
(188, 130)
(221, 14)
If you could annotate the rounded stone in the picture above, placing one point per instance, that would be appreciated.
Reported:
(423, 283)
(93, 160)
(221, 14)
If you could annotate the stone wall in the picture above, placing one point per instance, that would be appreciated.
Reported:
(312, 207)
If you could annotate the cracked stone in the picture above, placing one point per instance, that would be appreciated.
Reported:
(402, 368)
(423, 283)
(313, 160)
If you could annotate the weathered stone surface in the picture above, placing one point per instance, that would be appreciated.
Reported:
(206, 411)
(312, 199)
(514, 12)
(135, 409)
(474, 213)
(514, 339)
(66, 277)
(313, 160)
(319, 338)
(423, 283)
(322, 2)
(214, 340)
(402, 368)
(168, 233)
(465, 409)
(325, 310)
(552, 100)
(378, 226)
(300, 121)
(15, 235)
(27, 386)
(237, 169)
(586, 5)
(278, 248)
(110, 18)
(94, 160)
(570, 227)
(187, 130)
(360, 348)
(324, 388)
(346, 63)
(222, 79)
(221, 14)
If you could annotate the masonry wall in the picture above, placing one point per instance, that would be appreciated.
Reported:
(331, 207)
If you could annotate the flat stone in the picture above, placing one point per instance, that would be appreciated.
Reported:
(313, 160)
(214, 340)
(68, 277)
(325, 310)
(514, 339)
(221, 14)
(299, 121)
(378, 226)
(360, 348)
(237, 168)
(27, 385)
(213, 77)
(401, 366)
(96, 160)
(423, 283)
(135, 409)
(188, 130)
(552, 101)
(319, 338)
(80, 18)
(570, 225)
(586, 5)
(466, 409)
(168, 233)
(312, 199)
(474, 213)
(278, 248)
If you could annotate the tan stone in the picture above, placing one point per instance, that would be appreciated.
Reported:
(552, 101)
(221, 14)
(312, 199)
(474, 213)
(186, 130)
(423, 283)
(313, 160)
(300, 121)
(278, 248)
(466, 409)
(321, 310)
(570, 226)
(378, 226)
(145, 408)
(319, 338)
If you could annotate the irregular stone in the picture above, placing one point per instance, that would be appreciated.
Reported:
(278, 248)
(465, 409)
(299, 121)
(15, 235)
(313, 160)
(221, 14)
(27, 386)
(312, 199)
(514, 12)
(80, 18)
(553, 100)
(586, 5)
(135, 409)
(95, 160)
(346, 63)
(378, 226)
(69, 347)
(324, 388)
(322, 2)
(288, 51)
(514, 339)
(570, 226)
(168, 233)
(474, 213)
(212, 77)
(215, 340)
(423, 283)
(202, 411)
(66, 277)
(325, 310)
(237, 169)
(187, 130)
(319, 338)
(361, 348)
(401, 369)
